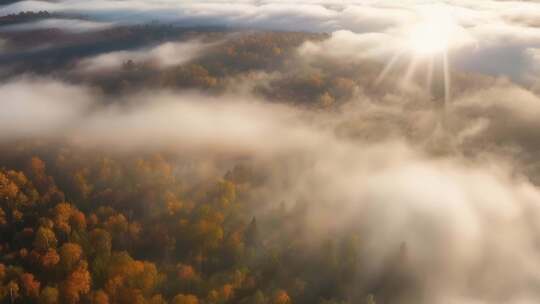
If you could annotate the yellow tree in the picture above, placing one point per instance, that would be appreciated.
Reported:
(45, 239)
(127, 275)
(49, 295)
(99, 297)
(49, 259)
(76, 284)
(185, 299)
(62, 214)
(70, 255)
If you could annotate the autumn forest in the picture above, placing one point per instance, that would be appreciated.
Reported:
(269, 152)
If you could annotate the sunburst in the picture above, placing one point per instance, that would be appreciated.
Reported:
(427, 44)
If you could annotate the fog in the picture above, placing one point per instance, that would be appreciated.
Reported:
(470, 221)
(163, 55)
(69, 25)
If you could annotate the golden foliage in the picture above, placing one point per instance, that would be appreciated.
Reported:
(76, 284)
(185, 299)
(30, 285)
(70, 255)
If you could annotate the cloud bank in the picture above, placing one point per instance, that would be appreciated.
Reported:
(491, 31)
(164, 55)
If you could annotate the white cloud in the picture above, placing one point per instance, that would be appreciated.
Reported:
(40, 108)
(533, 77)
(347, 45)
(492, 25)
(163, 55)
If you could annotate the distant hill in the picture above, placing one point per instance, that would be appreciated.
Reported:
(6, 2)
(24, 17)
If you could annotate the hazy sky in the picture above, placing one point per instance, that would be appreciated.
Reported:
(494, 37)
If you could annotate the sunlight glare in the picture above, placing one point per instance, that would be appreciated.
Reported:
(431, 36)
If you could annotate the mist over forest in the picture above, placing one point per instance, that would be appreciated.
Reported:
(269, 152)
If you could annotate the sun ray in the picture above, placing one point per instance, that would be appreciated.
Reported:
(411, 69)
(429, 75)
(446, 72)
(388, 67)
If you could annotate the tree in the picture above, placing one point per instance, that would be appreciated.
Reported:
(174, 205)
(44, 183)
(146, 278)
(2, 272)
(281, 297)
(36, 168)
(49, 295)
(126, 273)
(186, 272)
(30, 285)
(99, 297)
(8, 189)
(77, 283)
(252, 233)
(78, 220)
(226, 292)
(119, 228)
(81, 184)
(62, 214)
(157, 299)
(70, 255)
(370, 299)
(50, 258)
(210, 234)
(185, 299)
(129, 296)
(326, 100)
(12, 291)
(226, 193)
(100, 242)
(3, 217)
(45, 239)
(259, 298)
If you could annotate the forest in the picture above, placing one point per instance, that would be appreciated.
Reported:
(94, 228)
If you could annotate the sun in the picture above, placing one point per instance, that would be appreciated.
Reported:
(428, 39)
(425, 47)
(431, 36)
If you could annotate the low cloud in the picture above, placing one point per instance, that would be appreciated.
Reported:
(68, 25)
(153, 121)
(493, 31)
(40, 108)
(164, 55)
(346, 45)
